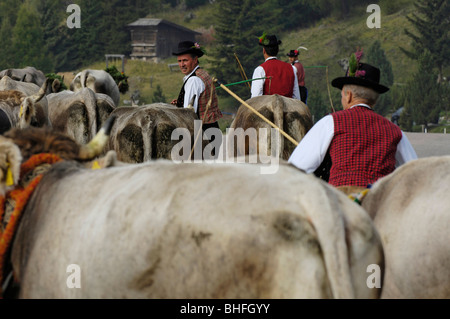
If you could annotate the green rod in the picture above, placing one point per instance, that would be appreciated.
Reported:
(230, 84)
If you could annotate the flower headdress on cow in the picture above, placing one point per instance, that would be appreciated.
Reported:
(362, 74)
(119, 77)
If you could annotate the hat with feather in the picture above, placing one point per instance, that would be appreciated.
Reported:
(362, 74)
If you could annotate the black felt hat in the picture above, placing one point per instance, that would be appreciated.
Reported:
(293, 53)
(366, 75)
(185, 47)
(269, 40)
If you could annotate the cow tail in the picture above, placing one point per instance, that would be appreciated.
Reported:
(329, 223)
(278, 117)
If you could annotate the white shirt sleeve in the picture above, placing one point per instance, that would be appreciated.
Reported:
(310, 152)
(405, 151)
(194, 85)
(296, 92)
(258, 85)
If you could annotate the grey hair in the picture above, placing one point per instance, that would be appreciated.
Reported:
(363, 93)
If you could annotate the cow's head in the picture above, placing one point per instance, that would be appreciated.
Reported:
(35, 140)
(27, 107)
(18, 145)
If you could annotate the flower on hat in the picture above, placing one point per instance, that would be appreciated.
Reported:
(296, 52)
(353, 64)
(198, 47)
(263, 39)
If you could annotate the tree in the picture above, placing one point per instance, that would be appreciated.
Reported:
(377, 58)
(9, 9)
(28, 41)
(158, 96)
(53, 22)
(432, 26)
(238, 25)
(424, 97)
(6, 52)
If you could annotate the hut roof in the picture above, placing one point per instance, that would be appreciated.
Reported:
(145, 22)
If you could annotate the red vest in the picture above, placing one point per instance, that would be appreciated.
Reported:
(282, 80)
(213, 114)
(363, 147)
(300, 73)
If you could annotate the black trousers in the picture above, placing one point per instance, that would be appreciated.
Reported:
(303, 94)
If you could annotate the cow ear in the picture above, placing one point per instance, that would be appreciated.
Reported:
(9, 164)
(56, 85)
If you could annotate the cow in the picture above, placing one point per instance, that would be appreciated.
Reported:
(159, 230)
(79, 114)
(98, 81)
(410, 211)
(144, 132)
(21, 110)
(28, 74)
(290, 115)
(6, 84)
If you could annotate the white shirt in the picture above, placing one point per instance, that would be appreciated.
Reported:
(310, 152)
(258, 85)
(194, 85)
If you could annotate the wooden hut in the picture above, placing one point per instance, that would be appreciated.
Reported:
(154, 39)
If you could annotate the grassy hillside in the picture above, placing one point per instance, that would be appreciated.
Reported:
(328, 41)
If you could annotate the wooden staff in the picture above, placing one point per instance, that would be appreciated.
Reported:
(256, 112)
(244, 76)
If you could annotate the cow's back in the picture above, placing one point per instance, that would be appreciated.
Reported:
(410, 211)
(290, 115)
(162, 230)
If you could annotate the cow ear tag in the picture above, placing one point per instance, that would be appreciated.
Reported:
(21, 110)
(95, 165)
(9, 177)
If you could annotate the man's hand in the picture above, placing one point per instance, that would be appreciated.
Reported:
(174, 102)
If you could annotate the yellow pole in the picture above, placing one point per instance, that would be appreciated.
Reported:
(329, 94)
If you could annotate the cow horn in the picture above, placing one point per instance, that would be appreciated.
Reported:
(95, 147)
(191, 102)
(38, 96)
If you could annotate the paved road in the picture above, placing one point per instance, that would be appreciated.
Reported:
(430, 144)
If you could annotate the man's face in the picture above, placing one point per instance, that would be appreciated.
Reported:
(292, 59)
(187, 63)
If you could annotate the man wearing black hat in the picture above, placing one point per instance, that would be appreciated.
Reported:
(363, 145)
(293, 59)
(281, 77)
(197, 82)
